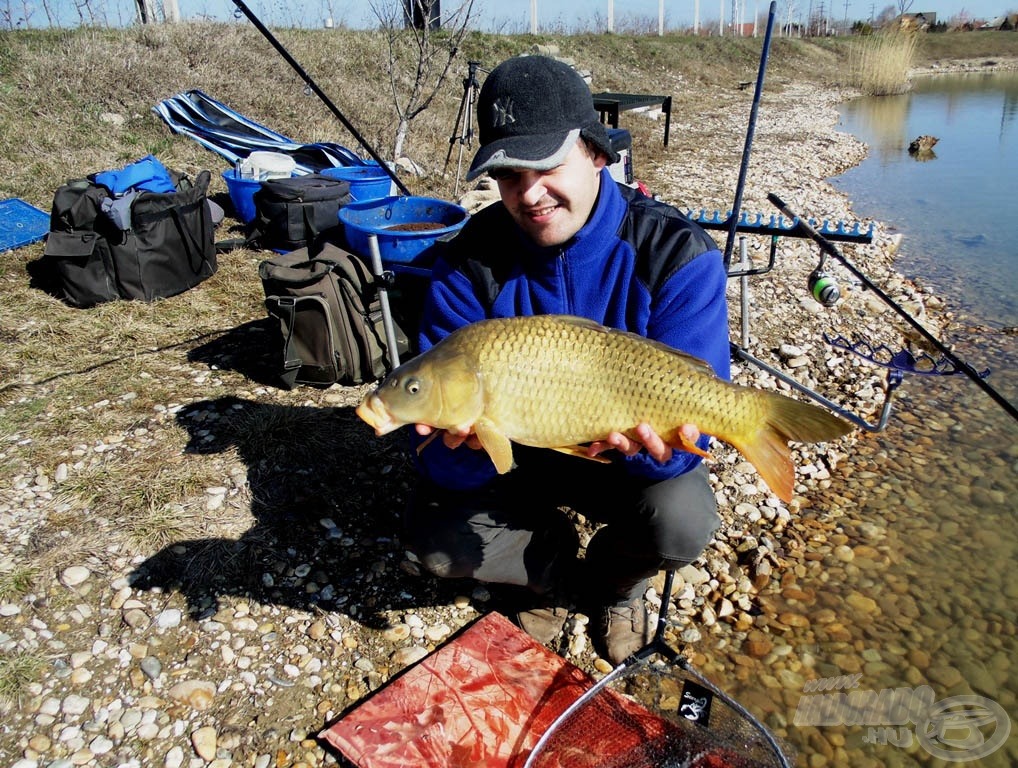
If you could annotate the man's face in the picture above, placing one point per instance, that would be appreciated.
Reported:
(551, 206)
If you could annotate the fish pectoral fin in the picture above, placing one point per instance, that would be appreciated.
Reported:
(497, 445)
(581, 451)
(684, 444)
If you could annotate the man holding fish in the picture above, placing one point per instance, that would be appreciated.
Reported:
(566, 239)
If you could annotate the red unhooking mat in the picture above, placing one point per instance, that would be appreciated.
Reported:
(484, 699)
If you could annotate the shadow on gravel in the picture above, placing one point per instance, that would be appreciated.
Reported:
(252, 349)
(306, 466)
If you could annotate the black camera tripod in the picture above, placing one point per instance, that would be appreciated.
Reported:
(463, 131)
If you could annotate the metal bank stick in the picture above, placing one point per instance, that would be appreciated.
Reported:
(382, 280)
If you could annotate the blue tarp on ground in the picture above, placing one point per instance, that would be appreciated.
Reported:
(21, 223)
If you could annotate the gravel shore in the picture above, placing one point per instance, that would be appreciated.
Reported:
(322, 605)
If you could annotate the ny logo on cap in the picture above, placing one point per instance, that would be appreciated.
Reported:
(502, 112)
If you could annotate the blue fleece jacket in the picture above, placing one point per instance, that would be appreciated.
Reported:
(637, 264)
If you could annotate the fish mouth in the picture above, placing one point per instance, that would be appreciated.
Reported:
(373, 411)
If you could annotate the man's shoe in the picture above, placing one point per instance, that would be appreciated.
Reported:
(623, 629)
(543, 622)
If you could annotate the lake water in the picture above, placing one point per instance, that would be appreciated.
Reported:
(956, 206)
(940, 482)
(907, 578)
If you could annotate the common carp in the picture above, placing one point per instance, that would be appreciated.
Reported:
(557, 381)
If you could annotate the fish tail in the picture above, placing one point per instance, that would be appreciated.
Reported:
(786, 419)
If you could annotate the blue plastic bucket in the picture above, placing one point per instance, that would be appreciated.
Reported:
(367, 182)
(242, 193)
(406, 227)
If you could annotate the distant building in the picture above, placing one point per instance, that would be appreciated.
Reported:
(1006, 23)
(921, 21)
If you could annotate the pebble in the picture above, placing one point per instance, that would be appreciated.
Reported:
(74, 704)
(169, 618)
(74, 575)
(197, 694)
(204, 742)
(152, 667)
(437, 633)
(404, 657)
(174, 757)
(861, 602)
(397, 633)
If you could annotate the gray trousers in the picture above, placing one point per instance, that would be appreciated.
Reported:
(514, 532)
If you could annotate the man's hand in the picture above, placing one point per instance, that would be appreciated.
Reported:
(453, 438)
(646, 439)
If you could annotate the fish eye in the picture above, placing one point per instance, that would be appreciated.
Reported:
(412, 386)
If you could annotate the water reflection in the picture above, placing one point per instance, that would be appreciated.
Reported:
(884, 121)
(1009, 111)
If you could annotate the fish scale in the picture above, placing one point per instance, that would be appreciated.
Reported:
(556, 381)
(611, 374)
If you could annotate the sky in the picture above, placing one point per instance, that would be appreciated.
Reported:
(514, 16)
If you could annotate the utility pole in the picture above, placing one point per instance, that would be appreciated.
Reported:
(533, 17)
(611, 15)
(696, 17)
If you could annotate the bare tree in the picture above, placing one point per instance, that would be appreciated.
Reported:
(12, 19)
(420, 55)
(50, 16)
(8, 17)
(903, 6)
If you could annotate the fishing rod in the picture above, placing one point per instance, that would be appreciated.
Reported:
(318, 92)
(733, 222)
(828, 248)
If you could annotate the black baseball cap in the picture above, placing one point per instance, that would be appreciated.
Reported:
(530, 112)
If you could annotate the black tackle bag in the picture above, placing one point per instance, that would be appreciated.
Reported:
(143, 246)
(330, 317)
(299, 212)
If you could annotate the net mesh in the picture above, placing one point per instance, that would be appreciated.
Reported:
(659, 714)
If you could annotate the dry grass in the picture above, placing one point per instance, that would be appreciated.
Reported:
(14, 584)
(881, 63)
(17, 671)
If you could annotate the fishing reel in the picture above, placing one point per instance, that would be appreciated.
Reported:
(823, 287)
